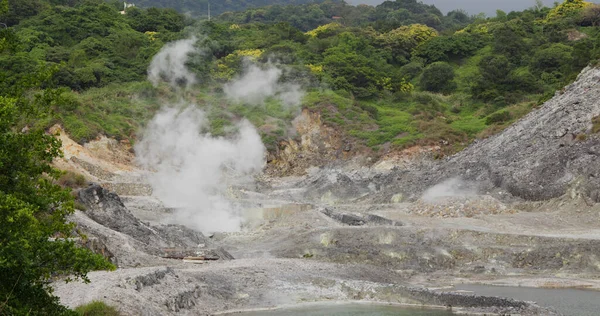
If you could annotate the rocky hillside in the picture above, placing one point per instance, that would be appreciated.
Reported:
(552, 149)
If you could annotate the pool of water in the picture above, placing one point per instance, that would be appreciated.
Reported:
(350, 310)
(569, 302)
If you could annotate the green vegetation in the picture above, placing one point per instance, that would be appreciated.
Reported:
(97, 56)
(386, 17)
(596, 125)
(35, 243)
(199, 8)
(489, 72)
(96, 308)
(400, 73)
(438, 77)
(73, 180)
(35, 239)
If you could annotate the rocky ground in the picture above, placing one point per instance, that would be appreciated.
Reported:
(519, 208)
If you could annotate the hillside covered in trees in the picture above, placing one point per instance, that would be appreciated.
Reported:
(423, 82)
(397, 74)
(199, 8)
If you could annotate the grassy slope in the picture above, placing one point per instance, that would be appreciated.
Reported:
(120, 111)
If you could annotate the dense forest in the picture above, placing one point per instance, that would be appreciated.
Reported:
(422, 82)
(199, 8)
(383, 18)
(397, 74)
(391, 76)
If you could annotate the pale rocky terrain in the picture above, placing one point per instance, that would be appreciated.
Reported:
(519, 208)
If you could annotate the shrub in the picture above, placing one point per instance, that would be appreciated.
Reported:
(72, 180)
(590, 16)
(372, 110)
(438, 77)
(596, 124)
(411, 70)
(427, 103)
(96, 308)
(545, 97)
(79, 206)
(498, 117)
(552, 58)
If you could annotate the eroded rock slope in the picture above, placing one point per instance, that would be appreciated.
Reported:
(542, 156)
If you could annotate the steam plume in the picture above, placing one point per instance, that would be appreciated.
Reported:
(450, 188)
(191, 167)
(256, 84)
(169, 64)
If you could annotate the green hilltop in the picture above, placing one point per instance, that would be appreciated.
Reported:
(397, 74)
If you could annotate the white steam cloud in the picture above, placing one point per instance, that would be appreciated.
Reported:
(191, 168)
(256, 84)
(451, 188)
(169, 64)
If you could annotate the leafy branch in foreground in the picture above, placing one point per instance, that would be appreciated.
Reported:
(36, 242)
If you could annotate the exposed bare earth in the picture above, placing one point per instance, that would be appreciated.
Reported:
(529, 217)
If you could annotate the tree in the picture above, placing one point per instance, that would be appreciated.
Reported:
(509, 42)
(539, 5)
(552, 58)
(19, 10)
(403, 40)
(590, 16)
(35, 239)
(438, 77)
(445, 48)
(500, 15)
(352, 72)
(3, 7)
(584, 51)
(567, 8)
(494, 71)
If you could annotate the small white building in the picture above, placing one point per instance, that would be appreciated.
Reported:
(127, 5)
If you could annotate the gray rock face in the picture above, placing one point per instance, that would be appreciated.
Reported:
(537, 158)
(132, 242)
(356, 220)
(107, 209)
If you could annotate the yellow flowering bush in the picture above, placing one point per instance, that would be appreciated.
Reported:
(227, 66)
(385, 83)
(409, 36)
(567, 8)
(151, 35)
(252, 54)
(406, 86)
(315, 69)
(327, 28)
(418, 32)
(482, 29)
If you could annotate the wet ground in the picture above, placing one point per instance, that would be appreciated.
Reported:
(350, 310)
